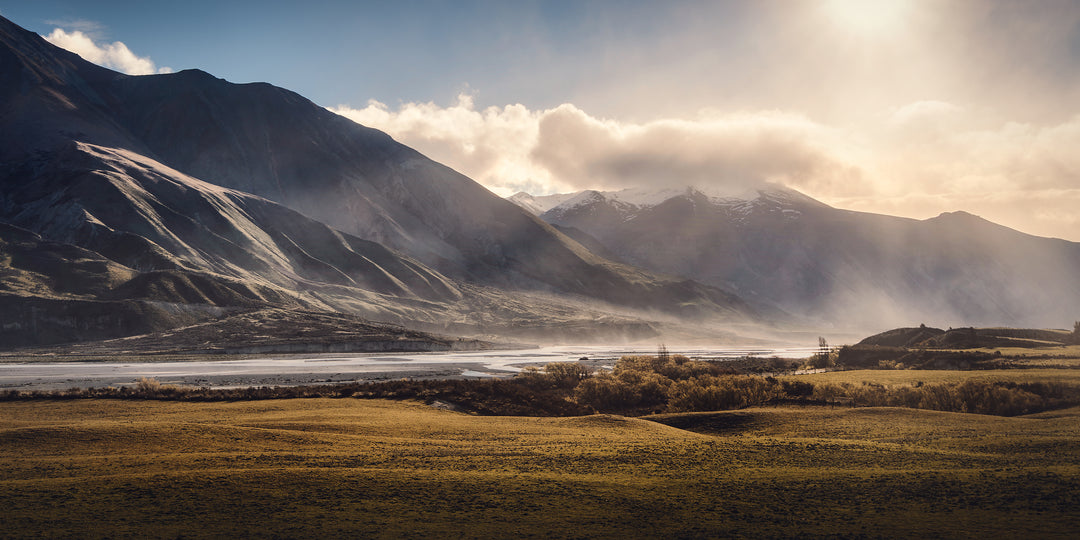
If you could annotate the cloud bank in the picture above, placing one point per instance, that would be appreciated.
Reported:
(919, 160)
(512, 149)
(114, 55)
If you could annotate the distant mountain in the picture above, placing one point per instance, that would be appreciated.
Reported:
(777, 245)
(183, 187)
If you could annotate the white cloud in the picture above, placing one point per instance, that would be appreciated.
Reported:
(114, 55)
(709, 150)
(924, 111)
(512, 149)
(492, 146)
(921, 159)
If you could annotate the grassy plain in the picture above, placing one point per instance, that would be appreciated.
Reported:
(371, 468)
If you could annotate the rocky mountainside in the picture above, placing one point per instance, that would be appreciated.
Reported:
(273, 143)
(776, 245)
(195, 195)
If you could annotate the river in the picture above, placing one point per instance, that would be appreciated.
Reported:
(285, 370)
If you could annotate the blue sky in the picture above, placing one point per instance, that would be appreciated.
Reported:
(538, 53)
(905, 107)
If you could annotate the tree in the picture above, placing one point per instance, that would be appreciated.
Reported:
(823, 357)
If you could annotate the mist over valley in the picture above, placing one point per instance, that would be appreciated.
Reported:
(198, 198)
(713, 270)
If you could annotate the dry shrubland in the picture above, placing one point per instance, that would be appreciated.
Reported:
(636, 385)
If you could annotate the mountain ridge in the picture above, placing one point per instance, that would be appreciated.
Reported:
(184, 174)
(810, 259)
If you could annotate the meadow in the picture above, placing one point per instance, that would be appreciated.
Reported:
(332, 467)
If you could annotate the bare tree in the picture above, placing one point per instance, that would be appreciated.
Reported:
(821, 359)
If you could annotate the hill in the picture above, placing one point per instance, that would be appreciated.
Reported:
(968, 338)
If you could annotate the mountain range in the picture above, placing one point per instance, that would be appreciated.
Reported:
(153, 205)
(135, 204)
(774, 245)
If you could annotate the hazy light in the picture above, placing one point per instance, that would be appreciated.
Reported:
(868, 17)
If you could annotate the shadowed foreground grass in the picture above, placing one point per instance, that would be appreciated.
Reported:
(346, 467)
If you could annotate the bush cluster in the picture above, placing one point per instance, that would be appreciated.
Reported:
(874, 356)
(636, 385)
(980, 397)
(644, 384)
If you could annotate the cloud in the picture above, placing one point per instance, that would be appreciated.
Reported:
(114, 55)
(93, 29)
(492, 146)
(1044, 212)
(512, 149)
(920, 159)
(921, 112)
(710, 150)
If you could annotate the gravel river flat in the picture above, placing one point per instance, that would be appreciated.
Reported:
(286, 370)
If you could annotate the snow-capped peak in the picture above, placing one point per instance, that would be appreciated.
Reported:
(638, 197)
(645, 197)
(538, 204)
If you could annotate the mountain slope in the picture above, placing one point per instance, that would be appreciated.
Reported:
(53, 293)
(780, 246)
(263, 140)
(182, 252)
(276, 144)
(144, 215)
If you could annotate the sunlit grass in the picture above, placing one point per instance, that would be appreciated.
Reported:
(333, 467)
(905, 376)
(1054, 350)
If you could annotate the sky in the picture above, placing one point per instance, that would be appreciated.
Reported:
(902, 107)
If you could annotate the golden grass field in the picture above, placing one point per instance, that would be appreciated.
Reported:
(912, 376)
(368, 468)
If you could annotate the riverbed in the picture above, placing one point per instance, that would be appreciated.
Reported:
(302, 369)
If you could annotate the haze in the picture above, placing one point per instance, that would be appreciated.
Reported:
(901, 107)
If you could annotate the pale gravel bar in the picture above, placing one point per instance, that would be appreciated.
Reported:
(292, 370)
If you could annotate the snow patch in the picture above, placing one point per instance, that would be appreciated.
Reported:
(538, 204)
(740, 199)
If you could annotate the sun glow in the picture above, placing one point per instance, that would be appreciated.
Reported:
(867, 17)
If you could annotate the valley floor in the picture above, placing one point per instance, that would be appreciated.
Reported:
(369, 468)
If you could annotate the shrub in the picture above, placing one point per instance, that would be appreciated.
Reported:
(797, 389)
(567, 375)
(636, 385)
(710, 393)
